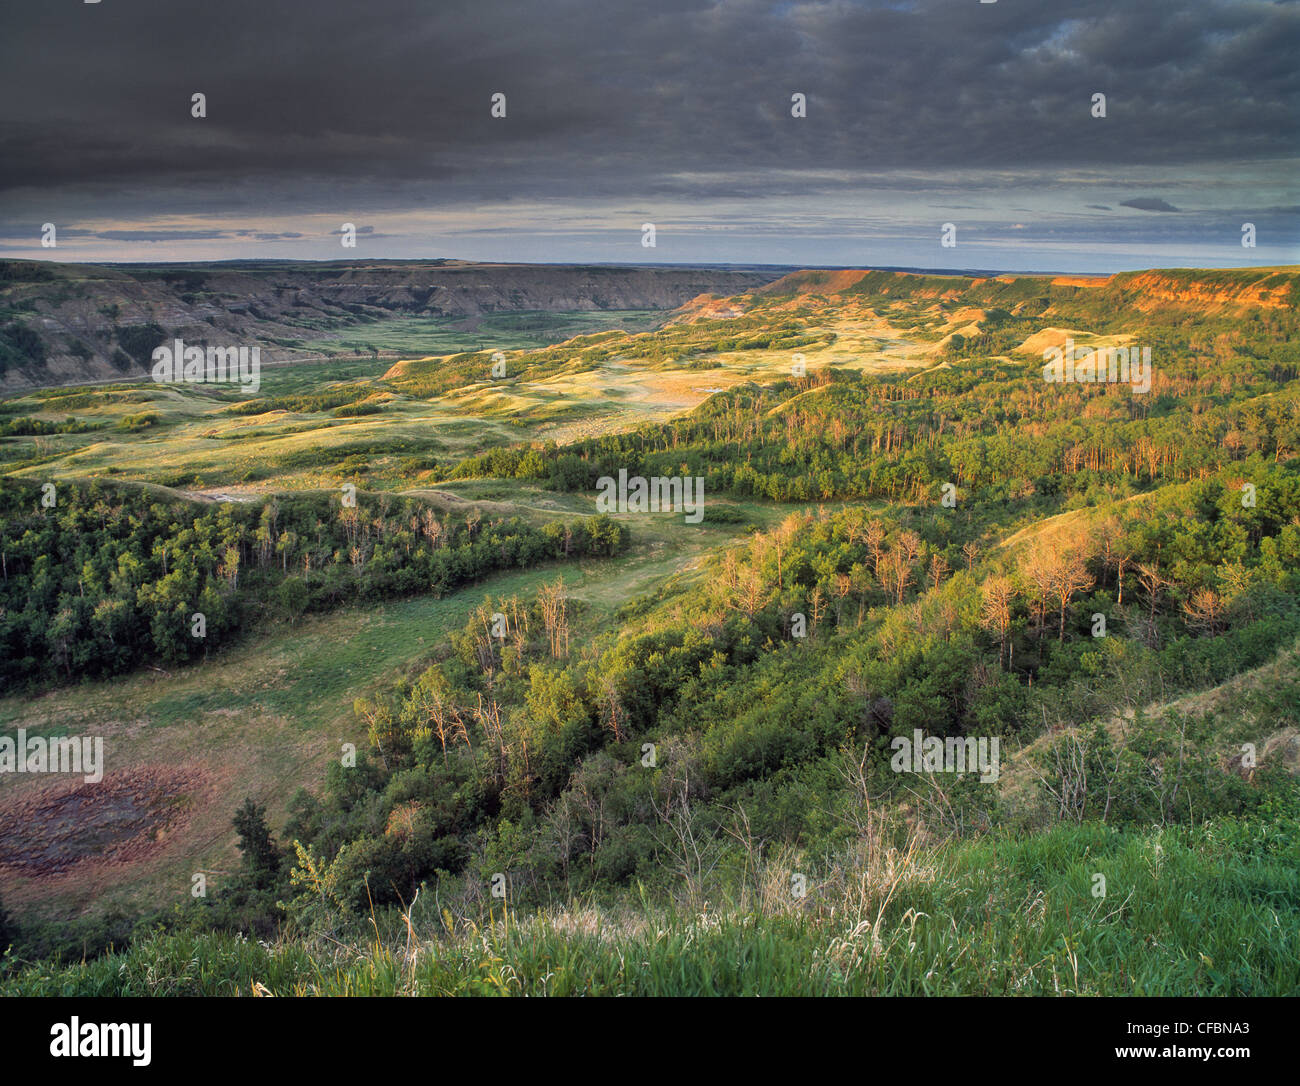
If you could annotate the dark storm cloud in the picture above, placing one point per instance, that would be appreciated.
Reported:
(1148, 203)
(343, 110)
(603, 96)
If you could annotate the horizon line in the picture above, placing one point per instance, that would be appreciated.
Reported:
(971, 273)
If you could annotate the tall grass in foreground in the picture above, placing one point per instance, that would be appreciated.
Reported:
(1213, 910)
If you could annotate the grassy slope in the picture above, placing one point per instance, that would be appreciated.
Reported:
(501, 331)
(1000, 915)
(1213, 910)
(265, 717)
(196, 444)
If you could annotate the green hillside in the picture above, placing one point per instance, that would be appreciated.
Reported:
(620, 751)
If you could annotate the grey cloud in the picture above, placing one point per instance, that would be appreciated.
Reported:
(154, 235)
(1148, 203)
(327, 108)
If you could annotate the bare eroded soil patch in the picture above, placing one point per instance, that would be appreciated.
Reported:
(122, 819)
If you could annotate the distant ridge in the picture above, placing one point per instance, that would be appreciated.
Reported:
(76, 323)
(66, 324)
(1232, 290)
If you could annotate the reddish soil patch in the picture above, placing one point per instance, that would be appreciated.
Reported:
(122, 819)
(1080, 281)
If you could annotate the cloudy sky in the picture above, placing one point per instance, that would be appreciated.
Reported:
(671, 112)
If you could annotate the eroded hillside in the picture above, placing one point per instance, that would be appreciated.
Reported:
(74, 323)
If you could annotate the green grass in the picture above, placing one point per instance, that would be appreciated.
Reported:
(1210, 910)
(269, 712)
(417, 336)
(308, 377)
(1213, 910)
(188, 440)
(431, 415)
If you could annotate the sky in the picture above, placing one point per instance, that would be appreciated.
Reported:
(676, 113)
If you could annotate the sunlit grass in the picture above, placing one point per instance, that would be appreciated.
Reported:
(1214, 910)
